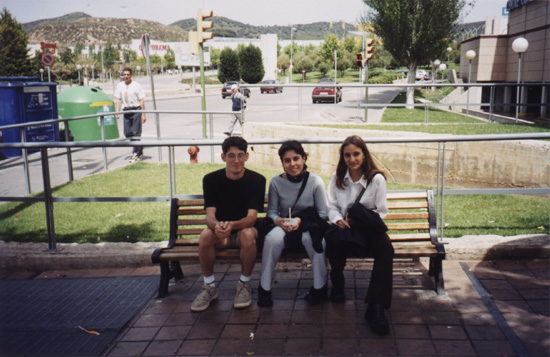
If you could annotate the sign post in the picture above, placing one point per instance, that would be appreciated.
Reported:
(48, 60)
(145, 43)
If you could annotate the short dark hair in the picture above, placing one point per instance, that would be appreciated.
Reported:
(236, 141)
(127, 69)
(295, 146)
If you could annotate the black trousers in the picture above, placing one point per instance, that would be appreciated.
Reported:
(132, 129)
(379, 248)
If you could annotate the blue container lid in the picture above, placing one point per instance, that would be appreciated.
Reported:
(20, 79)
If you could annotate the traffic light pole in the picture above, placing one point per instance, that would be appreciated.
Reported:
(366, 69)
(203, 96)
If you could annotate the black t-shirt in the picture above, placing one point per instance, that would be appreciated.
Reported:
(233, 198)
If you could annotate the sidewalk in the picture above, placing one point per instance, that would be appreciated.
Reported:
(490, 308)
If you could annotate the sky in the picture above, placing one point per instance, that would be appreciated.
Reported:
(253, 12)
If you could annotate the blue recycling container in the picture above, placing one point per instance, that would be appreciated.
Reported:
(25, 102)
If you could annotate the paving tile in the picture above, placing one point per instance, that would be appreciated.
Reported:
(159, 306)
(406, 317)
(303, 347)
(441, 317)
(418, 347)
(340, 347)
(341, 330)
(377, 347)
(268, 316)
(454, 348)
(307, 317)
(205, 331)
(493, 348)
(128, 349)
(232, 347)
(411, 331)
(151, 320)
(140, 334)
(173, 333)
(181, 319)
(447, 332)
(484, 333)
(196, 347)
(305, 331)
(238, 331)
(267, 347)
(271, 331)
(244, 316)
(162, 348)
(478, 319)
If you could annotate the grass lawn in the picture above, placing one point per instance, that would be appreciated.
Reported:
(96, 222)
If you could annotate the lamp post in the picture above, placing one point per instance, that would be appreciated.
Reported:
(470, 55)
(435, 64)
(42, 74)
(93, 74)
(78, 68)
(138, 68)
(519, 46)
(291, 48)
(442, 68)
(449, 50)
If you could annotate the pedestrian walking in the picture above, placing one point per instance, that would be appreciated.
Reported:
(237, 103)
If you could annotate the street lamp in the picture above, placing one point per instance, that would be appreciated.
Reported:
(449, 50)
(442, 68)
(435, 64)
(519, 46)
(138, 68)
(291, 48)
(93, 77)
(78, 68)
(470, 55)
(42, 74)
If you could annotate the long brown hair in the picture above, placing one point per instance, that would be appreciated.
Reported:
(368, 168)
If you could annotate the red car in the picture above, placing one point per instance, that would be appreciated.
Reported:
(270, 85)
(331, 94)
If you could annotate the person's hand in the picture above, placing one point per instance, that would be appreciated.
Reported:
(349, 220)
(290, 224)
(223, 229)
(342, 224)
(143, 120)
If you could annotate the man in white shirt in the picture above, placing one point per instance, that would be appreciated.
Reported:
(130, 96)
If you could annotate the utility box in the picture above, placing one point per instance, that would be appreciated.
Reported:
(83, 100)
(25, 102)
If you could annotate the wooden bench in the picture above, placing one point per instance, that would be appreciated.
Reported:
(411, 222)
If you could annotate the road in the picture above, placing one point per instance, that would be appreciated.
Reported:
(294, 105)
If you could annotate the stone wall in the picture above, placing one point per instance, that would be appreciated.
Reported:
(494, 164)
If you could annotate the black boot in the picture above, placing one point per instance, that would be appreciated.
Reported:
(316, 296)
(377, 319)
(337, 295)
(264, 297)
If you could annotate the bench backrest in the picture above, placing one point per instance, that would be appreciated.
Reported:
(411, 218)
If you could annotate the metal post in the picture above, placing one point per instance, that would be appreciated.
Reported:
(170, 169)
(519, 88)
(366, 90)
(300, 102)
(211, 119)
(25, 161)
(104, 149)
(442, 224)
(491, 104)
(468, 93)
(69, 152)
(48, 199)
(203, 88)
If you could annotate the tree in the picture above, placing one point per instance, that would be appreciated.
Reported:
(67, 56)
(415, 31)
(228, 68)
(283, 61)
(251, 66)
(14, 59)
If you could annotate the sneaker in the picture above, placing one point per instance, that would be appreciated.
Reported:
(134, 158)
(206, 296)
(264, 297)
(243, 297)
(316, 296)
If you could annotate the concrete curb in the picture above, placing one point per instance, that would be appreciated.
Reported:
(36, 257)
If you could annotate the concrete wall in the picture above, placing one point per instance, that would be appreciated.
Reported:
(474, 165)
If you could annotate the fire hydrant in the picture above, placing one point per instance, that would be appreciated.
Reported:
(193, 152)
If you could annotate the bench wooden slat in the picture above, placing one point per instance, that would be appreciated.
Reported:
(191, 221)
(407, 226)
(409, 236)
(406, 215)
(407, 205)
(406, 195)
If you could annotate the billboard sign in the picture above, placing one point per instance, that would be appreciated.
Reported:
(185, 58)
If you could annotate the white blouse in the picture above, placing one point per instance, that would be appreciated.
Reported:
(339, 200)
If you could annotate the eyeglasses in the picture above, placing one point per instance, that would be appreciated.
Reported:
(235, 156)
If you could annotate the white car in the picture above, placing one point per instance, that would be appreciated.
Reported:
(421, 75)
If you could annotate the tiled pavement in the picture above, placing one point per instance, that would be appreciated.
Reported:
(491, 308)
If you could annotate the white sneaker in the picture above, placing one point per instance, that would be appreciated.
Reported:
(243, 297)
(206, 296)
(134, 158)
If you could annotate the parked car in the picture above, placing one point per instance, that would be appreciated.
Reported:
(226, 89)
(270, 85)
(421, 75)
(327, 94)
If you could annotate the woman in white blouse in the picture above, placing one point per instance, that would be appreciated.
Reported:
(357, 176)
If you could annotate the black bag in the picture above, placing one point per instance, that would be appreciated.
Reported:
(264, 227)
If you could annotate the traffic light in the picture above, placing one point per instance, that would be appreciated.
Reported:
(204, 25)
(193, 43)
(359, 60)
(369, 49)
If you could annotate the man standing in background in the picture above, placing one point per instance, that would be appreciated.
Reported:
(130, 96)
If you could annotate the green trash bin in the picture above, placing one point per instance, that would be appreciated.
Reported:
(82, 100)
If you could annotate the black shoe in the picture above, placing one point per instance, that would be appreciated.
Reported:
(377, 319)
(316, 296)
(264, 297)
(337, 295)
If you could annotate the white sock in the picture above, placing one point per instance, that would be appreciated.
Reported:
(244, 279)
(209, 280)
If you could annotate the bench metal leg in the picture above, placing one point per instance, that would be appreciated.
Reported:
(164, 279)
(436, 270)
